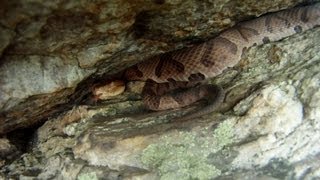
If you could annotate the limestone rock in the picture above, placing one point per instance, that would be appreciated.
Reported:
(53, 52)
(267, 128)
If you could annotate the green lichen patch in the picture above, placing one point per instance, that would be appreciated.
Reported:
(184, 155)
(223, 134)
(88, 176)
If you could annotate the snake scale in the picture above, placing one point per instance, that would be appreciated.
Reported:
(173, 78)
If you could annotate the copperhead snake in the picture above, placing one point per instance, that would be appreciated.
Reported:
(172, 79)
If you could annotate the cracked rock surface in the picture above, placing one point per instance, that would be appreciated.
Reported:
(52, 52)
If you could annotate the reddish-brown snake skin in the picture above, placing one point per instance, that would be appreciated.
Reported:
(166, 74)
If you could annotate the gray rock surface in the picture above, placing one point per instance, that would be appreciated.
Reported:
(52, 51)
(267, 128)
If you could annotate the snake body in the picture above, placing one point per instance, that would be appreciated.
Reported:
(168, 73)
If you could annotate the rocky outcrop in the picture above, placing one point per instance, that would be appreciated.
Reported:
(48, 49)
(268, 126)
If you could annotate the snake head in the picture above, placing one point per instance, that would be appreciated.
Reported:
(108, 90)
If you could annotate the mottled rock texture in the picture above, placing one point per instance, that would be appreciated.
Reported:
(52, 52)
(49, 48)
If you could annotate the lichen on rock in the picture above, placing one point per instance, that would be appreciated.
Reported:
(268, 126)
(184, 155)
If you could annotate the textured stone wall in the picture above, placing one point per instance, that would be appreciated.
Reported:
(267, 127)
(48, 48)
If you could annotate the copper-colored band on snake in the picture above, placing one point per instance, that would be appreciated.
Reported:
(184, 68)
